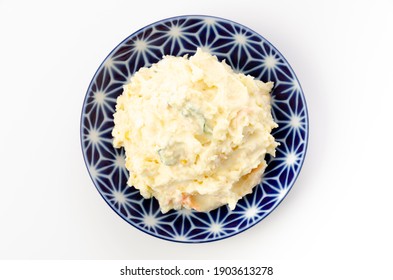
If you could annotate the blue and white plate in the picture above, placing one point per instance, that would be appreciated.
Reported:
(244, 50)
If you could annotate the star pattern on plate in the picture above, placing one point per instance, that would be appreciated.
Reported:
(245, 51)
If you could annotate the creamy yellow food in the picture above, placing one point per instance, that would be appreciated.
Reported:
(195, 132)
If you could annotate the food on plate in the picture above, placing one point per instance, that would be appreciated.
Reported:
(195, 132)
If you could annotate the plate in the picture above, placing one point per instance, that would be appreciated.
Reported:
(245, 51)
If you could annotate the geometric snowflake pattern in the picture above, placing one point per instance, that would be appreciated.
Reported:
(245, 51)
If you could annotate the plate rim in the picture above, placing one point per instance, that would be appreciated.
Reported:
(306, 130)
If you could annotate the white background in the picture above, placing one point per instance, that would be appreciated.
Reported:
(337, 219)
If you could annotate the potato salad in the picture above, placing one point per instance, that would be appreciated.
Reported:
(195, 132)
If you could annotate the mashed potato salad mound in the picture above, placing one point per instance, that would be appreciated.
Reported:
(195, 132)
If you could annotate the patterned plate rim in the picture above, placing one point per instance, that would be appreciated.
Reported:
(306, 122)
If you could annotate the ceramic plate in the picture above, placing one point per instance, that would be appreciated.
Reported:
(245, 51)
